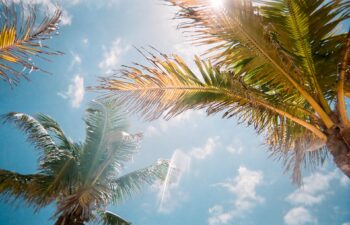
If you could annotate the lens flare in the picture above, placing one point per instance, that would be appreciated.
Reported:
(217, 4)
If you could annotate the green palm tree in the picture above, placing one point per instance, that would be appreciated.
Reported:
(22, 37)
(81, 178)
(281, 66)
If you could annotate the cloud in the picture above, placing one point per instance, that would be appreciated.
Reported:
(161, 126)
(235, 147)
(66, 19)
(76, 61)
(48, 6)
(344, 180)
(96, 4)
(206, 150)
(112, 54)
(218, 216)
(243, 187)
(75, 92)
(314, 189)
(299, 216)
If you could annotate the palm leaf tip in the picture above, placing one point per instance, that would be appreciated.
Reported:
(22, 40)
(109, 218)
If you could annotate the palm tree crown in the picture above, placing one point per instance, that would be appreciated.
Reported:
(82, 178)
(281, 66)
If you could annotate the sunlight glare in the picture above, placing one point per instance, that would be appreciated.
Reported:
(217, 4)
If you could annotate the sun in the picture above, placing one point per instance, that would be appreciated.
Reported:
(217, 4)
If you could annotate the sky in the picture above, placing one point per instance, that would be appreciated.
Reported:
(227, 176)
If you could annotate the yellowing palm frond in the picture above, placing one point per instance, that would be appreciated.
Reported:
(170, 87)
(22, 40)
(275, 66)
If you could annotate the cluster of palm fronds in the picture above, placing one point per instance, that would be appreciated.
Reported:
(273, 64)
(82, 178)
(22, 40)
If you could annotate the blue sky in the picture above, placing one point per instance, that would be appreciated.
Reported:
(227, 176)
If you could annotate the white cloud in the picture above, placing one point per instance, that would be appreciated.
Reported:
(112, 54)
(206, 150)
(314, 189)
(48, 6)
(75, 92)
(76, 61)
(243, 187)
(235, 147)
(218, 216)
(66, 19)
(161, 126)
(299, 216)
(96, 4)
(344, 180)
(348, 223)
(74, 2)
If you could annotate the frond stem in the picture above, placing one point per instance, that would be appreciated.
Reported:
(295, 119)
(320, 111)
(308, 58)
(341, 107)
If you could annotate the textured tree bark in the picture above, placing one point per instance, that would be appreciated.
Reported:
(339, 146)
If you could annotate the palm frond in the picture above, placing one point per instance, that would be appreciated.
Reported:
(343, 74)
(109, 218)
(81, 202)
(169, 87)
(36, 133)
(133, 182)
(296, 148)
(106, 140)
(59, 164)
(240, 37)
(308, 29)
(63, 142)
(15, 186)
(21, 40)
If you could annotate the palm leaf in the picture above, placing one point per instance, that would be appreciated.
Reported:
(21, 40)
(106, 140)
(130, 183)
(36, 133)
(240, 36)
(169, 87)
(15, 186)
(109, 218)
(59, 164)
(63, 142)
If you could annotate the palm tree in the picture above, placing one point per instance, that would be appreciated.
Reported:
(81, 178)
(21, 40)
(281, 66)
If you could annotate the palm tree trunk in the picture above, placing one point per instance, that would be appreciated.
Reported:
(339, 146)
